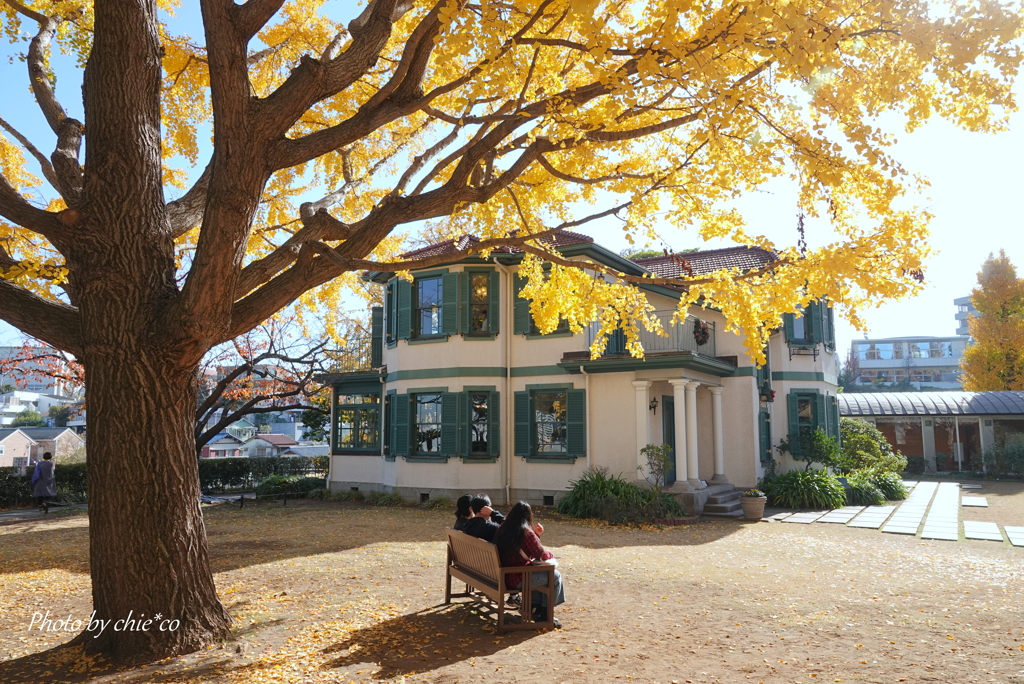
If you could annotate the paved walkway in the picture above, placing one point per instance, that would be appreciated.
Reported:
(932, 510)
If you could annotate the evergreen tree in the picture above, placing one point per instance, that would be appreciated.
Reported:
(995, 358)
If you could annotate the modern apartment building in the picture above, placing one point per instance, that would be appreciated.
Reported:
(932, 362)
(964, 309)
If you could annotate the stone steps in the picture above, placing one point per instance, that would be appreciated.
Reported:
(724, 505)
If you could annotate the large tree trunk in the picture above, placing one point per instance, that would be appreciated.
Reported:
(148, 550)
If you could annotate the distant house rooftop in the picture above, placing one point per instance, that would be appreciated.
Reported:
(276, 440)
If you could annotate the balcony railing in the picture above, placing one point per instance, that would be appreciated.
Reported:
(680, 336)
(357, 355)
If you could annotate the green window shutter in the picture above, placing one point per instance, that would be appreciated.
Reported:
(494, 423)
(833, 417)
(400, 443)
(493, 303)
(388, 431)
(377, 337)
(403, 304)
(520, 309)
(449, 422)
(465, 301)
(813, 323)
(830, 326)
(765, 430)
(523, 424)
(392, 310)
(820, 413)
(787, 326)
(793, 406)
(576, 422)
(616, 343)
(449, 306)
(463, 422)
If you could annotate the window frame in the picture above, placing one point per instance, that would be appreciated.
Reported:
(415, 422)
(364, 388)
(525, 440)
(417, 308)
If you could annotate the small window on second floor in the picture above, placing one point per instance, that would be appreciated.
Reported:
(428, 306)
(479, 309)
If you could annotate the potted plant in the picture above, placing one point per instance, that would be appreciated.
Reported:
(753, 501)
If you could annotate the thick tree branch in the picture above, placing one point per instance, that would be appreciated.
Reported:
(55, 323)
(254, 15)
(69, 131)
(186, 212)
(44, 163)
(16, 209)
(313, 80)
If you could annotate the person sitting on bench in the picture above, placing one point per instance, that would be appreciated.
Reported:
(518, 544)
(482, 524)
(463, 513)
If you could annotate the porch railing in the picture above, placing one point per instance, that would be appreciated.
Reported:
(680, 336)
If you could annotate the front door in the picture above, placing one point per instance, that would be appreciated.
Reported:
(668, 431)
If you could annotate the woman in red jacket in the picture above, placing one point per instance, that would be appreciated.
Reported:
(518, 544)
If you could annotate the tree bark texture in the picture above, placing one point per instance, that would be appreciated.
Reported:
(148, 550)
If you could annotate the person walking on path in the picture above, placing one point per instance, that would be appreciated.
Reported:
(45, 482)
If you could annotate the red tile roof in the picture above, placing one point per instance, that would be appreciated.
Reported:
(562, 238)
(701, 263)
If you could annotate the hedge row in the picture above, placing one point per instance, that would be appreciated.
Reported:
(215, 475)
(16, 489)
(218, 474)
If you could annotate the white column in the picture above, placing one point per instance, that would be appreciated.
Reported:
(716, 422)
(679, 399)
(691, 435)
(643, 424)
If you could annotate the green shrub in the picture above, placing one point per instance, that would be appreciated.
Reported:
(915, 465)
(1005, 460)
(70, 478)
(348, 495)
(863, 491)
(435, 502)
(15, 488)
(864, 446)
(285, 485)
(814, 489)
(891, 485)
(611, 498)
(376, 498)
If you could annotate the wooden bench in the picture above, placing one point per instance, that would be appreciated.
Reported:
(476, 562)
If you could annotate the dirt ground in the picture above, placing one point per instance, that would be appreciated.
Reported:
(334, 592)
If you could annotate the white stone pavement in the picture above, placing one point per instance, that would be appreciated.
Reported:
(936, 505)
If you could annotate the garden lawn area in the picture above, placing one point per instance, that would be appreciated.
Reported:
(342, 592)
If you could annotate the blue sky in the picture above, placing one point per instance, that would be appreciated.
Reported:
(976, 181)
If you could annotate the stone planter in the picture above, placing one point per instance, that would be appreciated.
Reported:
(753, 506)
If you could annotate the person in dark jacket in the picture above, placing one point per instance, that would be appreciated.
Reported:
(45, 482)
(463, 513)
(482, 524)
